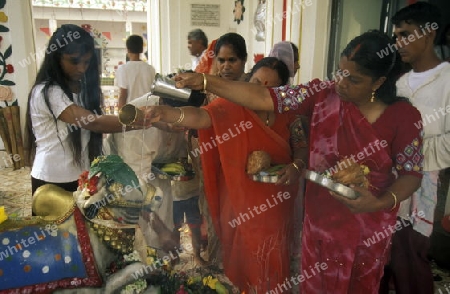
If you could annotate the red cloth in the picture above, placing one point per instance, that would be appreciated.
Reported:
(207, 59)
(333, 237)
(256, 251)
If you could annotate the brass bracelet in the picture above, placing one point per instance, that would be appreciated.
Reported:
(205, 82)
(181, 118)
(395, 200)
(296, 166)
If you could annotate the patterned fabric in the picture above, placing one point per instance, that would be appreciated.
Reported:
(333, 237)
(411, 158)
(41, 260)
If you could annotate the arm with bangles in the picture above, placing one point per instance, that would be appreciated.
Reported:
(81, 117)
(400, 190)
(187, 116)
(252, 96)
(299, 146)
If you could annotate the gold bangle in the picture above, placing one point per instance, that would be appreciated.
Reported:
(301, 161)
(395, 200)
(296, 166)
(205, 82)
(180, 119)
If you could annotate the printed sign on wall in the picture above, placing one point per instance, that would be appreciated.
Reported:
(205, 15)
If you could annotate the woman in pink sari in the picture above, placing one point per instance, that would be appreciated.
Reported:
(357, 119)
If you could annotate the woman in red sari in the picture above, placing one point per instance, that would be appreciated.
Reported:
(253, 220)
(359, 118)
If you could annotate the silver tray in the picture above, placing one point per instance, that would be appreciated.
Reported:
(265, 178)
(331, 185)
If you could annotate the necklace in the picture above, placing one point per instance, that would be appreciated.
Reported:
(267, 119)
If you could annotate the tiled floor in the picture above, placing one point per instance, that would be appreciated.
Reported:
(15, 195)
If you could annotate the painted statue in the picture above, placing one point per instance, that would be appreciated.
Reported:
(75, 237)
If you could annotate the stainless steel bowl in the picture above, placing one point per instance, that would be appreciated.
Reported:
(330, 185)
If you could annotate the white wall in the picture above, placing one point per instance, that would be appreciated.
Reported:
(358, 17)
(169, 24)
(176, 24)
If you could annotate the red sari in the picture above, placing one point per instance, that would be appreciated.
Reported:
(256, 251)
(337, 240)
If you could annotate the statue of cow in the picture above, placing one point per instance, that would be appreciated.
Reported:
(104, 224)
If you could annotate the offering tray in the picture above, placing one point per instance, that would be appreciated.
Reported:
(268, 176)
(187, 175)
(331, 185)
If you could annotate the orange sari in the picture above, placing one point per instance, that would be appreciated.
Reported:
(253, 220)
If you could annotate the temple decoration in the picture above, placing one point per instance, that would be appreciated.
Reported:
(238, 11)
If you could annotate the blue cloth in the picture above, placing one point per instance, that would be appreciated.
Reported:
(34, 255)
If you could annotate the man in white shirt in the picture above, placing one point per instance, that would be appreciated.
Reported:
(197, 44)
(136, 77)
(427, 87)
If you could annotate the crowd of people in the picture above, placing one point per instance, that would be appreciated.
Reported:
(253, 227)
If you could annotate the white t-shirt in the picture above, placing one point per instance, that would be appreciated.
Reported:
(135, 76)
(416, 79)
(54, 161)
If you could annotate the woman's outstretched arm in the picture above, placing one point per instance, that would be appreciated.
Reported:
(252, 96)
(188, 116)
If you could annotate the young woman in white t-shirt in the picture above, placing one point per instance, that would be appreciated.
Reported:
(64, 122)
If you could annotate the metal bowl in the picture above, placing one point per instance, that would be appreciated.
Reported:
(331, 185)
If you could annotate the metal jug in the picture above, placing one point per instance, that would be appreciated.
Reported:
(164, 87)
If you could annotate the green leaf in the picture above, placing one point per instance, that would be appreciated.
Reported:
(8, 52)
(114, 168)
(3, 29)
(2, 3)
(7, 83)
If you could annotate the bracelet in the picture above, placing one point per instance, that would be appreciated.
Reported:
(296, 166)
(205, 82)
(180, 119)
(395, 200)
(301, 161)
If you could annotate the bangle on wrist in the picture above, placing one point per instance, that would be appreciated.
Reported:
(302, 162)
(395, 200)
(205, 82)
(296, 166)
(181, 118)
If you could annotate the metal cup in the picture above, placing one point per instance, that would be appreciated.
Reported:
(129, 113)
(165, 87)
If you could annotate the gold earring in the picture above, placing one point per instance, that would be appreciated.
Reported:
(372, 99)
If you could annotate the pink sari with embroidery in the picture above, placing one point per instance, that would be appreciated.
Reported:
(344, 252)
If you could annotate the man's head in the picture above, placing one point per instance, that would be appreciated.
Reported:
(135, 44)
(197, 42)
(415, 30)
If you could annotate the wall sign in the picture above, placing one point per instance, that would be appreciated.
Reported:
(205, 15)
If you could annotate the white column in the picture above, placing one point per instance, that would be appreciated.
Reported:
(314, 39)
(154, 34)
(22, 40)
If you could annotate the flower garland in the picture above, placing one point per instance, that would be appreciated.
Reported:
(89, 184)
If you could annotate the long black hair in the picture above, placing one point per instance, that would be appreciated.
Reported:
(368, 51)
(68, 39)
